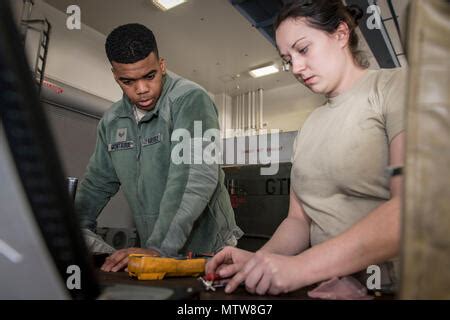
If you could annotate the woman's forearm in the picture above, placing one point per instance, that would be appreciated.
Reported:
(290, 238)
(374, 239)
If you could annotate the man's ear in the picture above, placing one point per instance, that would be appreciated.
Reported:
(162, 65)
(342, 34)
(114, 74)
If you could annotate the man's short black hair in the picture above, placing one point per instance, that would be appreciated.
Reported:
(130, 43)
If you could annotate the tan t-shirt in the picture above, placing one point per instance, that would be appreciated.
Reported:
(342, 151)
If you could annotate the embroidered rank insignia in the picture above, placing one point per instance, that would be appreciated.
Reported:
(121, 135)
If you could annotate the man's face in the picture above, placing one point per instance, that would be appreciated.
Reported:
(141, 81)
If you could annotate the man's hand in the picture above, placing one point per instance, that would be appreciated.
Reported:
(228, 262)
(119, 259)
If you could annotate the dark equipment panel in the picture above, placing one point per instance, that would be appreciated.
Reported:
(260, 202)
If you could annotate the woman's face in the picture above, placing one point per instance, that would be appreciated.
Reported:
(317, 58)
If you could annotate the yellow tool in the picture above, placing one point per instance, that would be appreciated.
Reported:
(145, 267)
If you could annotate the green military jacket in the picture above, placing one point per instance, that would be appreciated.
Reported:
(177, 207)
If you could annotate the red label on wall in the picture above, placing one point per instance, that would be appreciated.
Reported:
(56, 89)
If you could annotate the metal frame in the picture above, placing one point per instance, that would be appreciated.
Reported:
(44, 28)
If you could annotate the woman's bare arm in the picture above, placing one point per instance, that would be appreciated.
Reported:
(292, 235)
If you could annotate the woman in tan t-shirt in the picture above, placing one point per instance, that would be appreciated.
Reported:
(344, 212)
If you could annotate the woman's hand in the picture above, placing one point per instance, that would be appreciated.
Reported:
(267, 273)
(228, 262)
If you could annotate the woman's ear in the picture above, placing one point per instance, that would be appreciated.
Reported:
(342, 34)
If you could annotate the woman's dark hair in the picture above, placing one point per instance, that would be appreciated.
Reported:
(326, 15)
(130, 43)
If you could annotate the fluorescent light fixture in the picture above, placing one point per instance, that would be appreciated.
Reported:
(264, 71)
(167, 4)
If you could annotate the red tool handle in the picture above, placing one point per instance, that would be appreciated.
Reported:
(212, 277)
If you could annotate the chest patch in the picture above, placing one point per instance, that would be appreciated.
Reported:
(122, 145)
(152, 140)
(121, 135)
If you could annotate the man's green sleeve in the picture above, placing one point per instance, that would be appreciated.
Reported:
(189, 185)
(100, 183)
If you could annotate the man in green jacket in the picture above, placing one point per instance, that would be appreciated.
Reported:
(178, 206)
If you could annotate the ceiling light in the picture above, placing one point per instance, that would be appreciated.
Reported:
(264, 71)
(167, 4)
